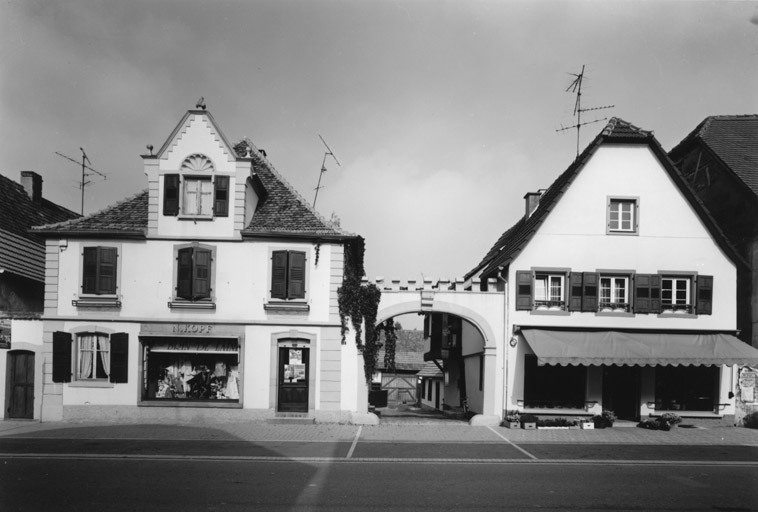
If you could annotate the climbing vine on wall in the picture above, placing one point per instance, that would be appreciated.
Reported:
(360, 305)
(390, 342)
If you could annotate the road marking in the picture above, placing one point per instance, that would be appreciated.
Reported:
(355, 442)
(512, 443)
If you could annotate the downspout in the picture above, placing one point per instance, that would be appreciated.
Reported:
(505, 340)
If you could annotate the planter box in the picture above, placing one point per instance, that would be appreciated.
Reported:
(513, 424)
(588, 426)
(530, 426)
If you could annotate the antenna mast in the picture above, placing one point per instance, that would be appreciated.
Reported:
(328, 152)
(85, 167)
(576, 88)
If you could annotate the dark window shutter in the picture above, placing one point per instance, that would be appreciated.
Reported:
(590, 291)
(61, 356)
(89, 270)
(279, 275)
(171, 194)
(221, 197)
(655, 293)
(184, 274)
(107, 270)
(119, 357)
(201, 279)
(523, 290)
(575, 291)
(642, 293)
(704, 295)
(296, 281)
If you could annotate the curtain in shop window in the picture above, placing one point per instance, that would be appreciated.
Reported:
(86, 351)
(105, 353)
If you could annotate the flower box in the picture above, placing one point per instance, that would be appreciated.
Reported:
(530, 425)
(514, 424)
(587, 426)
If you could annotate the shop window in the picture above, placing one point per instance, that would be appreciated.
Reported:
(182, 369)
(686, 388)
(553, 387)
(194, 275)
(622, 216)
(98, 357)
(196, 191)
(288, 279)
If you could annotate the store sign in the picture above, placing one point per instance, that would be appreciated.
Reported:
(216, 347)
(192, 329)
(5, 333)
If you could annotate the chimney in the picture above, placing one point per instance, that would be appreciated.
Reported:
(532, 202)
(32, 183)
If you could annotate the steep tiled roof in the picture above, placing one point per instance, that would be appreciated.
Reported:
(127, 218)
(734, 140)
(282, 211)
(404, 360)
(617, 130)
(431, 371)
(18, 212)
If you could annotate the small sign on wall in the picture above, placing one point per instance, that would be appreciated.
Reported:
(5, 333)
(748, 381)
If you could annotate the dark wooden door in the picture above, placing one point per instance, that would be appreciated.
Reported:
(621, 391)
(293, 379)
(21, 384)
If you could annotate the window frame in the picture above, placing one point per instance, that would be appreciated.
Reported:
(676, 308)
(99, 298)
(548, 305)
(196, 168)
(613, 306)
(202, 302)
(66, 357)
(275, 300)
(618, 229)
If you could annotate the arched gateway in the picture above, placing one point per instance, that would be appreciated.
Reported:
(480, 338)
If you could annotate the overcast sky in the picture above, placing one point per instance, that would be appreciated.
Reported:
(442, 114)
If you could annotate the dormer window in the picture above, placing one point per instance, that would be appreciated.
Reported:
(196, 192)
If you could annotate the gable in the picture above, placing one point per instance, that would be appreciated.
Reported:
(197, 133)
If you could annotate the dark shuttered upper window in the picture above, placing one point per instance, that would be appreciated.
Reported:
(99, 270)
(288, 275)
(193, 278)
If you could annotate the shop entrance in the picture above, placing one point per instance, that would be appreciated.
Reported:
(621, 391)
(293, 379)
(20, 371)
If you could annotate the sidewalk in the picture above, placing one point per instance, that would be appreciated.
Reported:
(397, 432)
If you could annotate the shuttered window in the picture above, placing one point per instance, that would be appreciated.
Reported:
(221, 197)
(99, 270)
(288, 275)
(119, 371)
(575, 291)
(61, 356)
(193, 277)
(171, 194)
(647, 293)
(524, 290)
(98, 356)
(704, 295)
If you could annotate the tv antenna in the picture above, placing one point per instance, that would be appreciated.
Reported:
(576, 88)
(328, 152)
(85, 168)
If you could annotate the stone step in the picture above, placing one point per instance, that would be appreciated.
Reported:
(291, 419)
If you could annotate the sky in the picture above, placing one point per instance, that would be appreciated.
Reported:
(441, 114)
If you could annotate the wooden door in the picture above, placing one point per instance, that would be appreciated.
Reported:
(21, 384)
(621, 391)
(293, 379)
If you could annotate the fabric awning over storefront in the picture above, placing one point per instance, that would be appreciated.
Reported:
(595, 348)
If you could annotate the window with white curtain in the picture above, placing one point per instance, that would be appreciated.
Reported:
(93, 357)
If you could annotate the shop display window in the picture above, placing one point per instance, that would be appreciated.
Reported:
(190, 370)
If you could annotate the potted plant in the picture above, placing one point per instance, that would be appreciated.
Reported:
(513, 419)
(528, 421)
(604, 420)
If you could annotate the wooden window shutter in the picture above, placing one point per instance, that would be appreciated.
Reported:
(704, 295)
(575, 291)
(523, 290)
(427, 325)
(655, 293)
(89, 270)
(221, 197)
(201, 276)
(61, 356)
(119, 357)
(589, 291)
(642, 293)
(279, 275)
(184, 273)
(296, 274)
(171, 194)
(106, 275)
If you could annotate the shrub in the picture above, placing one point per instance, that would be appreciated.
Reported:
(663, 422)
(529, 418)
(556, 422)
(604, 420)
(512, 416)
(751, 420)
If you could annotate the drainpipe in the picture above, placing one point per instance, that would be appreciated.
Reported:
(505, 340)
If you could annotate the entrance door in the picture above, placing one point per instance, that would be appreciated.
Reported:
(621, 391)
(293, 379)
(21, 384)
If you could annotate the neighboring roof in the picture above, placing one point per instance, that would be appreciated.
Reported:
(617, 131)
(731, 139)
(431, 371)
(405, 360)
(125, 219)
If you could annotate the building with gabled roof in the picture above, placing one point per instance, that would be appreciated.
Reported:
(214, 288)
(22, 290)
(719, 159)
(620, 291)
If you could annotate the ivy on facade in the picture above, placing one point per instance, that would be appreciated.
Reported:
(360, 305)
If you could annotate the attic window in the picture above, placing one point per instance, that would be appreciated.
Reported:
(196, 192)
(622, 215)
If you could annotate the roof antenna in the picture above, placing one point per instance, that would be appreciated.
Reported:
(85, 167)
(576, 88)
(328, 152)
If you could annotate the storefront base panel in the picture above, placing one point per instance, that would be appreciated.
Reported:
(181, 415)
